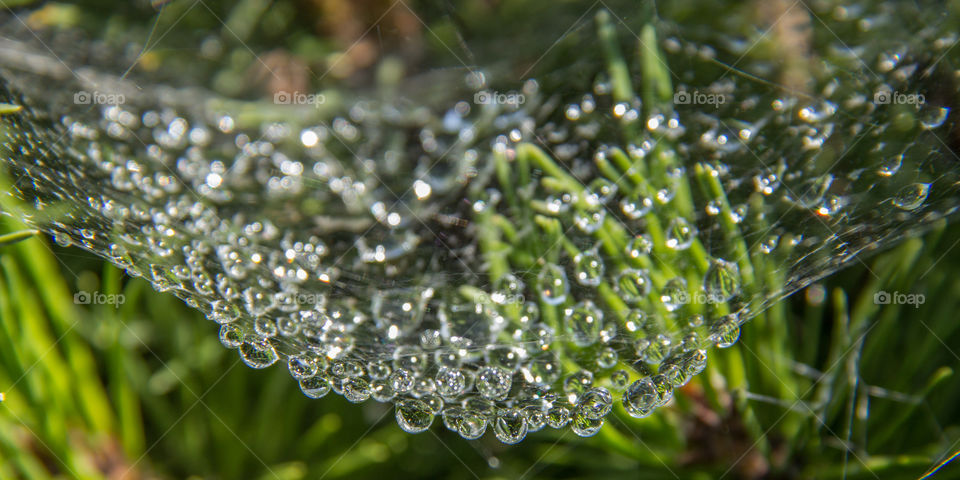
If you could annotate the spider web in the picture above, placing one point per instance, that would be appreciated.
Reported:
(507, 241)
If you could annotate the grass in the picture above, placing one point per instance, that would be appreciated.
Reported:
(827, 384)
(91, 391)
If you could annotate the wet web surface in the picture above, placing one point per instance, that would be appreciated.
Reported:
(513, 246)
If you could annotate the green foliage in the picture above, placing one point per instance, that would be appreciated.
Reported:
(825, 385)
(93, 390)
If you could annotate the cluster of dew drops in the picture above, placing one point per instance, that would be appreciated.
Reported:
(320, 246)
(175, 202)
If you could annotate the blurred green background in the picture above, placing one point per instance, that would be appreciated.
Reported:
(830, 385)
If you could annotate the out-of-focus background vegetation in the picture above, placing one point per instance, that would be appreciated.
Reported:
(831, 385)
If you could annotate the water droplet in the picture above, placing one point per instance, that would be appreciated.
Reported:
(382, 391)
(619, 379)
(664, 387)
(635, 208)
(222, 311)
(414, 415)
(430, 339)
(62, 239)
(257, 301)
(265, 327)
(410, 358)
(600, 191)
(536, 418)
(595, 404)
(510, 426)
(257, 352)
(602, 85)
(672, 369)
(726, 332)
(553, 285)
(303, 366)
(506, 357)
(589, 222)
(932, 116)
(583, 323)
(674, 294)
(558, 416)
(556, 205)
(912, 197)
(494, 383)
(633, 285)
(607, 358)
(401, 380)
(766, 184)
(346, 368)
(653, 350)
(425, 388)
(585, 426)
(451, 415)
(465, 325)
(160, 276)
(378, 370)
(542, 370)
(639, 246)
(536, 338)
(694, 361)
(680, 234)
(819, 112)
(589, 268)
(664, 195)
(530, 313)
(509, 290)
(398, 310)
(641, 398)
(470, 424)
(356, 389)
(692, 341)
(450, 382)
(722, 281)
(315, 387)
(231, 336)
(769, 244)
(890, 167)
(636, 319)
